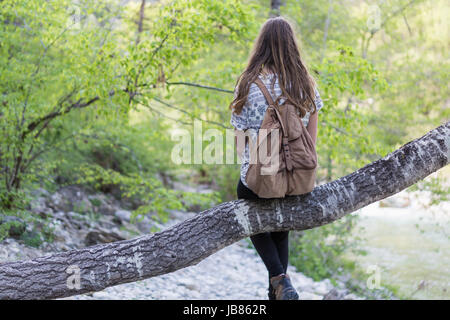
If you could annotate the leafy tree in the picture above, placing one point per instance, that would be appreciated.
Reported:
(82, 63)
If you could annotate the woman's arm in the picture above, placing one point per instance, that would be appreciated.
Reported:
(240, 124)
(314, 118)
(312, 126)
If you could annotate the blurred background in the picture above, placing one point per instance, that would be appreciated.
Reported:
(92, 92)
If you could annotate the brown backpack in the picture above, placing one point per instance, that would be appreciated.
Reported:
(284, 159)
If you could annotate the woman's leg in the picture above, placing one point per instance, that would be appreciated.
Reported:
(267, 250)
(281, 240)
(264, 243)
(273, 249)
(245, 193)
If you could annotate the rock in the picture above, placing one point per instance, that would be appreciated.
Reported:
(190, 284)
(107, 209)
(179, 216)
(322, 287)
(71, 198)
(142, 224)
(300, 281)
(308, 296)
(334, 294)
(12, 250)
(198, 188)
(177, 185)
(39, 206)
(60, 234)
(351, 296)
(60, 215)
(77, 221)
(395, 201)
(57, 202)
(101, 236)
(123, 215)
(103, 204)
(145, 225)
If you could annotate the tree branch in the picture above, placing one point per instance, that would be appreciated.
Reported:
(199, 86)
(152, 109)
(38, 67)
(188, 113)
(50, 116)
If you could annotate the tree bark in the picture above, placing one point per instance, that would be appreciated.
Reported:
(191, 241)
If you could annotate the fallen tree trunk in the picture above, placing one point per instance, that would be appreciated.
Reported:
(187, 243)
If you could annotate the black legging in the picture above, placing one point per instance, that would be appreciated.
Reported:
(272, 247)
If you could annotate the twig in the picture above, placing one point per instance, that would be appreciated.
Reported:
(395, 13)
(162, 114)
(199, 86)
(188, 113)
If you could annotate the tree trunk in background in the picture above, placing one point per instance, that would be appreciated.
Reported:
(140, 22)
(192, 240)
(325, 29)
(275, 8)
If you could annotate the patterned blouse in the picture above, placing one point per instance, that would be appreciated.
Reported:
(252, 114)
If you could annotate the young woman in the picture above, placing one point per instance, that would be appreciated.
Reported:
(276, 60)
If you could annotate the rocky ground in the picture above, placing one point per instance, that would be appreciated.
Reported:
(236, 272)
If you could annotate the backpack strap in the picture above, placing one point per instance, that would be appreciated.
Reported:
(265, 92)
(269, 99)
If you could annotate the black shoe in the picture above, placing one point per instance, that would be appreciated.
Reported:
(283, 289)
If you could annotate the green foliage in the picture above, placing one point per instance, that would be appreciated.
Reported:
(6, 228)
(318, 252)
(80, 58)
(32, 229)
(226, 178)
(18, 216)
(437, 186)
(437, 189)
(148, 193)
(32, 239)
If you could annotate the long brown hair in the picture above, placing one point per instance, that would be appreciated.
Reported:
(276, 49)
